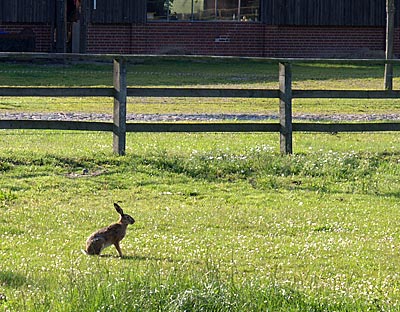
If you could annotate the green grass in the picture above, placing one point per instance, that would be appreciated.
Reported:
(223, 221)
(200, 73)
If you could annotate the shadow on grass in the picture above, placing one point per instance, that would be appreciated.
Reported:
(138, 258)
(174, 72)
(12, 279)
(144, 258)
(148, 258)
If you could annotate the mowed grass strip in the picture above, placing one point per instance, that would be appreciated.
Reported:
(198, 73)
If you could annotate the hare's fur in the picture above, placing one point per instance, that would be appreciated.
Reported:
(110, 235)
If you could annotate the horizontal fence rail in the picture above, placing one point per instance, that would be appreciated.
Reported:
(56, 125)
(57, 92)
(197, 92)
(120, 91)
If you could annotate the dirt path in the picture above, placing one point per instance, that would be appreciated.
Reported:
(198, 117)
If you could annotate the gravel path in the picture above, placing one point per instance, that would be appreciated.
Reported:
(197, 117)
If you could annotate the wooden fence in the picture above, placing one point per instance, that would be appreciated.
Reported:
(120, 92)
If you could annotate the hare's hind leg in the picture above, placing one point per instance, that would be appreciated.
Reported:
(95, 246)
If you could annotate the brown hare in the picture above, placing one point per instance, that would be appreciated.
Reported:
(110, 235)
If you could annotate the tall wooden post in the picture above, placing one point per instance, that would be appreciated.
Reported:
(285, 107)
(390, 8)
(61, 26)
(119, 115)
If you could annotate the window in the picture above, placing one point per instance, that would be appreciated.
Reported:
(203, 10)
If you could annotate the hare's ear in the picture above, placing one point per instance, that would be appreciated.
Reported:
(119, 209)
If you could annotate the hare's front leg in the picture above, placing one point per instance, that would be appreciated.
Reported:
(116, 244)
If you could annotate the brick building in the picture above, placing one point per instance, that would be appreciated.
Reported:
(270, 28)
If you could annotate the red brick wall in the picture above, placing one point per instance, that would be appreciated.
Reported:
(43, 36)
(326, 42)
(109, 39)
(239, 39)
(178, 38)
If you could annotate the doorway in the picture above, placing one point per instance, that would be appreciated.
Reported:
(73, 25)
(68, 30)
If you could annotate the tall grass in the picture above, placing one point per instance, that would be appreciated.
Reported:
(180, 292)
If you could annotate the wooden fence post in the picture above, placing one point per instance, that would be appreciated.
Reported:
(61, 26)
(390, 8)
(285, 107)
(119, 115)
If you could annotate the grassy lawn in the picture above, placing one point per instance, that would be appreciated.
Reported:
(210, 74)
(223, 221)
